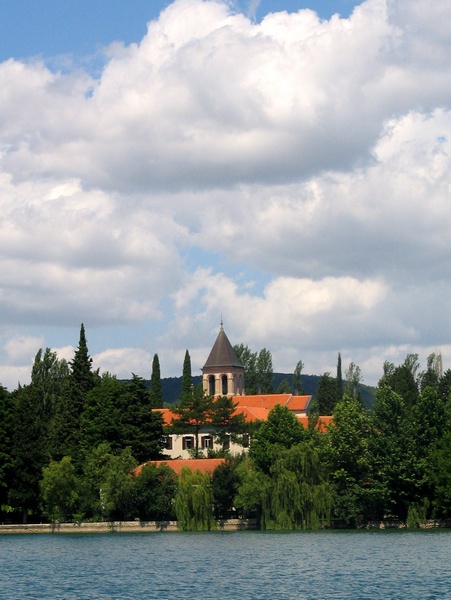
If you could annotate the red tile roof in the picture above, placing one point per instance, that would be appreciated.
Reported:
(204, 465)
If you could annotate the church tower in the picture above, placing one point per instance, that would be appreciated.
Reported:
(223, 373)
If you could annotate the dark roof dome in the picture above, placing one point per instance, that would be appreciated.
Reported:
(222, 354)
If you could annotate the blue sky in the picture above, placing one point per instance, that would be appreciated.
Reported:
(82, 27)
(165, 163)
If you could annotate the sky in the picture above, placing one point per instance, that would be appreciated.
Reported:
(283, 166)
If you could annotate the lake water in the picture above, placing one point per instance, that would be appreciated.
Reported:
(391, 565)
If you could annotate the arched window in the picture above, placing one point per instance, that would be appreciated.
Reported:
(211, 385)
(224, 385)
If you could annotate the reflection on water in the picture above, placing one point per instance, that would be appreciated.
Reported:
(239, 565)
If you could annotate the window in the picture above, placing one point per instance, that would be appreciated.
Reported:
(227, 443)
(187, 442)
(246, 440)
(211, 385)
(207, 441)
(224, 385)
(168, 444)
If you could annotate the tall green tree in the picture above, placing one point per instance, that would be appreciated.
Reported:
(155, 489)
(249, 362)
(187, 381)
(297, 384)
(326, 395)
(107, 484)
(282, 430)
(193, 415)
(226, 423)
(346, 453)
(265, 372)
(156, 390)
(101, 419)
(6, 435)
(60, 490)
(194, 502)
(66, 427)
(297, 494)
(353, 380)
(29, 452)
(141, 428)
(339, 378)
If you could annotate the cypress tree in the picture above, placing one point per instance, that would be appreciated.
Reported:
(339, 379)
(187, 382)
(156, 390)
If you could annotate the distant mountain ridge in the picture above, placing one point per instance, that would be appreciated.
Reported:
(172, 386)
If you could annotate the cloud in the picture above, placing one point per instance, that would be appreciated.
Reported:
(292, 175)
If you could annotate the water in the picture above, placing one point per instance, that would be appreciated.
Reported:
(236, 565)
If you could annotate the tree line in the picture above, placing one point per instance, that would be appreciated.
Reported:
(70, 442)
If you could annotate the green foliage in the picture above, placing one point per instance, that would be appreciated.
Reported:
(346, 453)
(155, 490)
(108, 484)
(59, 489)
(192, 415)
(29, 451)
(156, 390)
(187, 382)
(284, 387)
(258, 369)
(225, 483)
(141, 428)
(282, 430)
(226, 425)
(6, 435)
(297, 384)
(194, 502)
(326, 395)
(297, 495)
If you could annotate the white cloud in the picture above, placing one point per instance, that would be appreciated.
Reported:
(292, 175)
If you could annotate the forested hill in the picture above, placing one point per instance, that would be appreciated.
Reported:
(172, 387)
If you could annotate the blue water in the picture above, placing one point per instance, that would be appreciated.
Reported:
(237, 565)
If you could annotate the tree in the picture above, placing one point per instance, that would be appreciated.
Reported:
(346, 452)
(297, 384)
(265, 372)
(225, 483)
(155, 489)
(393, 454)
(59, 489)
(326, 395)
(107, 486)
(66, 425)
(339, 378)
(156, 390)
(249, 362)
(187, 381)
(284, 387)
(281, 430)
(192, 415)
(194, 502)
(29, 451)
(353, 379)
(141, 428)
(226, 423)
(6, 435)
(297, 494)
(101, 419)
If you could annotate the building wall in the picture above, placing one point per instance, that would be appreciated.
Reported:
(179, 446)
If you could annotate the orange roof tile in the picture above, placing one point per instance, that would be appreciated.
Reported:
(268, 401)
(204, 465)
(299, 403)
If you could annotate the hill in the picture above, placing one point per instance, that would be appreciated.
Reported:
(172, 386)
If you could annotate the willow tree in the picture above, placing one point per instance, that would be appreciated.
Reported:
(194, 502)
(297, 494)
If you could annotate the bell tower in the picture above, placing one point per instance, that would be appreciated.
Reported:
(223, 373)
